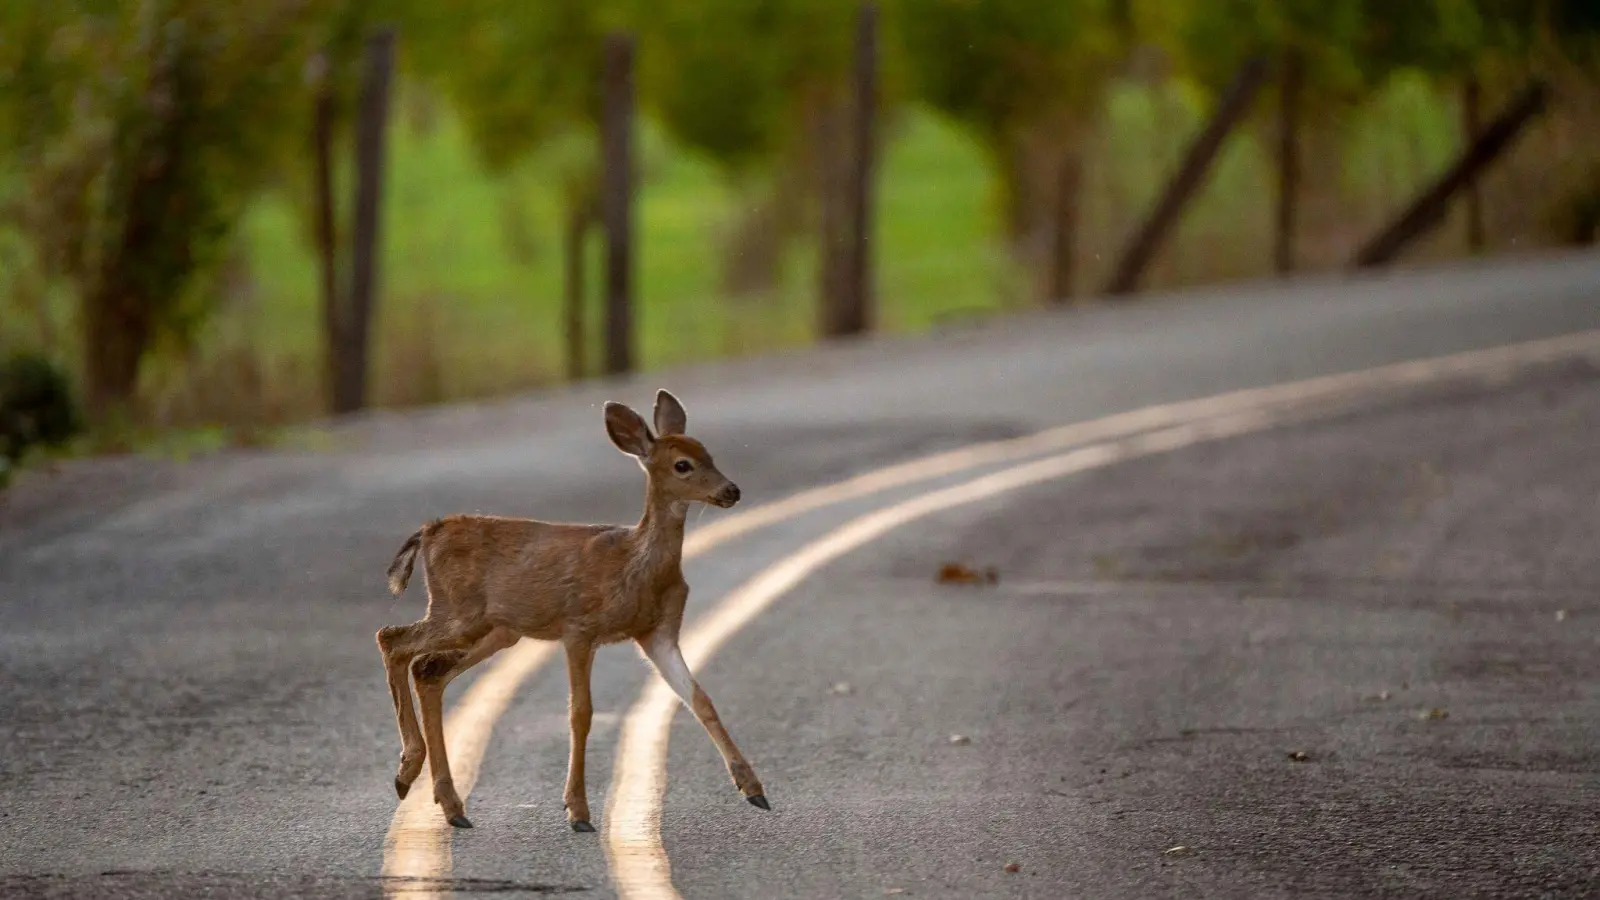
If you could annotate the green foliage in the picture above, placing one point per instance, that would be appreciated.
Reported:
(1005, 64)
(1217, 36)
(1023, 77)
(137, 133)
(1443, 37)
(520, 73)
(730, 77)
(176, 117)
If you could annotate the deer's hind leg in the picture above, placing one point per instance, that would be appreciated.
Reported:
(433, 671)
(399, 645)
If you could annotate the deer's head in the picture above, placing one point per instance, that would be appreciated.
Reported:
(679, 466)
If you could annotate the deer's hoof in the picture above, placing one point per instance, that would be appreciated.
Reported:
(460, 821)
(582, 826)
(759, 801)
(401, 788)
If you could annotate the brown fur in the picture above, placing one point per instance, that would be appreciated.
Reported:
(492, 580)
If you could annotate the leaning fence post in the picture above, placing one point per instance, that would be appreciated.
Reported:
(617, 201)
(1427, 211)
(1141, 249)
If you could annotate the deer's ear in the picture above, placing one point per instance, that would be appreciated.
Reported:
(670, 417)
(628, 430)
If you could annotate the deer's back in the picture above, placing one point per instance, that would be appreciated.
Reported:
(542, 579)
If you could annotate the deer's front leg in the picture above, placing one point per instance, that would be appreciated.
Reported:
(580, 712)
(662, 648)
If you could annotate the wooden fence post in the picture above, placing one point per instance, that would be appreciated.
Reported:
(1141, 249)
(1069, 178)
(1472, 129)
(1289, 83)
(335, 323)
(846, 301)
(1428, 210)
(350, 392)
(617, 201)
(860, 313)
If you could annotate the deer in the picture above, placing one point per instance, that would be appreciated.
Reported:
(492, 580)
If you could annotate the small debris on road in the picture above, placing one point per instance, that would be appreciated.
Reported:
(1179, 850)
(1561, 615)
(960, 739)
(1013, 868)
(1107, 565)
(959, 573)
(894, 891)
(1435, 713)
(840, 687)
(1299, 756)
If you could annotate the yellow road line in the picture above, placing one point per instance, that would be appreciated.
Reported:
(639, 864)
(416, 854)
(418, 842)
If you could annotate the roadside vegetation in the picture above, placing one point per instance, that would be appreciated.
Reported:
(158, 248)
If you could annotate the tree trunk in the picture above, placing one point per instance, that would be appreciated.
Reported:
(1014, 168)
(573, 238)
(617, 202)
(335, 323)
(833, 250)
(1288, 162)
(153, 213)
(117, 330)
(351, 389)
(1069, 180)
(1472, 128)
(856, 315)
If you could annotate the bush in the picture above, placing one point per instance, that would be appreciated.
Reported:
(36, 408)
(1574, 216)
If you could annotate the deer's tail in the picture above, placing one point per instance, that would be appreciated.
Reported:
(400, 569)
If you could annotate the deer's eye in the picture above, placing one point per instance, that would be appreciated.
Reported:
(683, 467)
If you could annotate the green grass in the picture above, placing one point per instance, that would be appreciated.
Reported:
(470, 294)
(493, 315)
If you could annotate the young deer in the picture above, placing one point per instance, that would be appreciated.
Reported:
(492, 580)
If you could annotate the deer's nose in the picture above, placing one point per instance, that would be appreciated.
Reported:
(730, 494)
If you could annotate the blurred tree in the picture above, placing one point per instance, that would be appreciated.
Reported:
(761, 87)
(1316, 47)
(526, 77)
(1025, 78)
(143, 127)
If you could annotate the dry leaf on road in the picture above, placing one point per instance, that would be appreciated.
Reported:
(958, 573)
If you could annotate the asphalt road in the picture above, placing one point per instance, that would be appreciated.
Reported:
(194, 705)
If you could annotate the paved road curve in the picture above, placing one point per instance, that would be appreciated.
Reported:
(194, 704)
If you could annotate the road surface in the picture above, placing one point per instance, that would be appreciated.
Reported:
(1350, 653)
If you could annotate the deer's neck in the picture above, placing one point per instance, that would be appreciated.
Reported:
(658, 538)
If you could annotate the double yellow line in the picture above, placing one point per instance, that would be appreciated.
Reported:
(418, 844)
